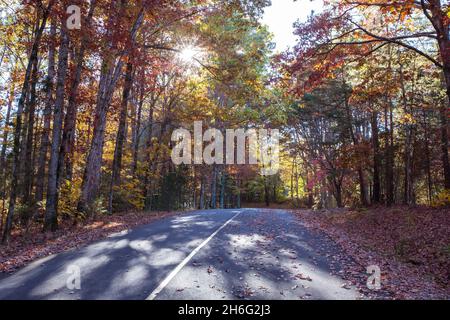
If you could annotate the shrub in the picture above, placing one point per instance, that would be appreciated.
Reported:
(442, 199)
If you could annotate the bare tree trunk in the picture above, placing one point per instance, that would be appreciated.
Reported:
(297, 197)
(45, 138)
(137, 138)
(389, 152)
(16, 167)
(121, 135)
(222, 189)
(149, 164)
(51, 208)
(376, 159)
(213, 188)
(29, 168)
(338, 194)
(202, 193)
(428, 158)
(408, 197)
(292, 180)
(238, 186)
(444, 113)
(266, 192)
(68, 136)
(389, 175)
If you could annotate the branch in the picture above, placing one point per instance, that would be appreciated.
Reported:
(398, 42)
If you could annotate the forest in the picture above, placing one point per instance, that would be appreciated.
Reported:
(90, 92)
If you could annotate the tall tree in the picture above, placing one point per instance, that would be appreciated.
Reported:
(121, 134)
(51, 207)
(111, 69)
(45, 136)
(68, 136)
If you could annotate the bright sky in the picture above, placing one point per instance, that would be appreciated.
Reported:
(281, 16)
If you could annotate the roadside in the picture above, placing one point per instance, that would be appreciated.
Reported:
(24, 248)
(410, 245)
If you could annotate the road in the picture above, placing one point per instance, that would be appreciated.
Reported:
(213, 254)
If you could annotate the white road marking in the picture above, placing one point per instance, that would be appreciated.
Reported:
(174, 272)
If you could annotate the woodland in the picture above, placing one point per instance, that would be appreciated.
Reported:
(87, 113)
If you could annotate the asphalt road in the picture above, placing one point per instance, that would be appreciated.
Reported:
(214, 254)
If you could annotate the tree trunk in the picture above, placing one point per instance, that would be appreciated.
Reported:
(202, 193)
(29, 168)
(222, 189)
(121, 135)
(51, 208)
(45, 138)
(137, 138)
(428, 157)
(362, 187)
(238, 200)
(266, 192)
(292, 180)
(376, 159)
(65, 165)
(213, 188)
(389, 176)
(408, 195)
(149, 165)
(338, 194)
(443, 112)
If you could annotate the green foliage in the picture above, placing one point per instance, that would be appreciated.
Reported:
(172, 194)
(24, 212)
(97, 207)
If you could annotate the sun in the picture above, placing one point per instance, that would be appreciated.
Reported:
(189, 54)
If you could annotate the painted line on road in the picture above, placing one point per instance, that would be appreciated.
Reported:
(174, 272)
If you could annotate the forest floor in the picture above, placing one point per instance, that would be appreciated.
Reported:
(410, 245)
(25, 247)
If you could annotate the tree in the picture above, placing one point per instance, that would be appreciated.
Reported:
(16, 168)
(51, 208)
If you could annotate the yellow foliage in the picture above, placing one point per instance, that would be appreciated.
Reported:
(128, 196)
(69, 195)
(442, 199)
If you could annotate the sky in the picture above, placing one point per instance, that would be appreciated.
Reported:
(281, 16)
